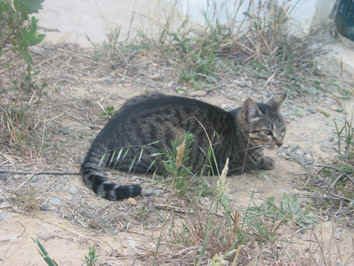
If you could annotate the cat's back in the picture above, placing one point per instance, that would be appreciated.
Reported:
(168, 106)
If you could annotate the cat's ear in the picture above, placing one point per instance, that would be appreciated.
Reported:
(276, 101)
(250, 111)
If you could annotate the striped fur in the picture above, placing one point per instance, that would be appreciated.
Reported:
(139, 134)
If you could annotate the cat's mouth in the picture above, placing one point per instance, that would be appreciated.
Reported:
(273, 145)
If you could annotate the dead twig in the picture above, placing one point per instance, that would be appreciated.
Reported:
(338, 197)
(331, 167)
(334, 183)
(4, 171)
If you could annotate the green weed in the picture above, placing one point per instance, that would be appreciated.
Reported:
(224, 234)
(178, 156)
(184, 181)
(262, 221)
(333, 184)
(18, 32)
(44, 254)
(108, 112)
(20, 93)
(345, 138)
(91, 258)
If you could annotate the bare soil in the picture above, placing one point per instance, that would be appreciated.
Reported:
(68, 218)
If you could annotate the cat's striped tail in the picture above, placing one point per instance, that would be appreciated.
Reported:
(92, 172)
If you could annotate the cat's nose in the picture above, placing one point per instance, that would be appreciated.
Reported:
(279, 143)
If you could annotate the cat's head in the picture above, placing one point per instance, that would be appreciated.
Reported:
(262, 123)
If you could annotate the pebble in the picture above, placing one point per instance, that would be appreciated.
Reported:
(294, 152)
(311, 111)
(73, 189)
(3, 177)
(45, 236)
(44, 207)
(227, 107)
(54, 201)
(198, 93)
(152, 192)
(4, 215)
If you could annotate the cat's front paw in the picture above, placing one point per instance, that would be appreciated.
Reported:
(267, 163)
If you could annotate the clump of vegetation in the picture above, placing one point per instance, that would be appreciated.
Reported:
(90, 259)
(18, 32)
(44, 254)
(184, 181)
(260, 42)
(345, 139)
(333, 183)
(220, 234)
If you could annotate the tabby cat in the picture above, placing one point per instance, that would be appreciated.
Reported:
(139, 134)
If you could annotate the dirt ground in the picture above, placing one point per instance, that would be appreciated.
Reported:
(68, 218)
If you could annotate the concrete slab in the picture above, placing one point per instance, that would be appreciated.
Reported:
(76, 21)
(339, 60)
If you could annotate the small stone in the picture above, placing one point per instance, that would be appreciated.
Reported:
(131, 201)
(44, 207)
(156, 76)
(311, 90)
(54, 201)
(198, 93)
(152, 192)
(4, 215)
(5, 205)
(45, 236)
(227, 107)
(73, 189)
(3, 176)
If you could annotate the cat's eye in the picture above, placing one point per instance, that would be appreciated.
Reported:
(268, 133)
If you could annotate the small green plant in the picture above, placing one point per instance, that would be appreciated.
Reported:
(263, 220)
(18, 32)
(108, 112)
(197, 51)
(345, 139)
(175, 164)
(213, 234)
(223, 233)
(44, 254)
(332, 184)
(178, 156)
(109, 48)
(91, 258)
